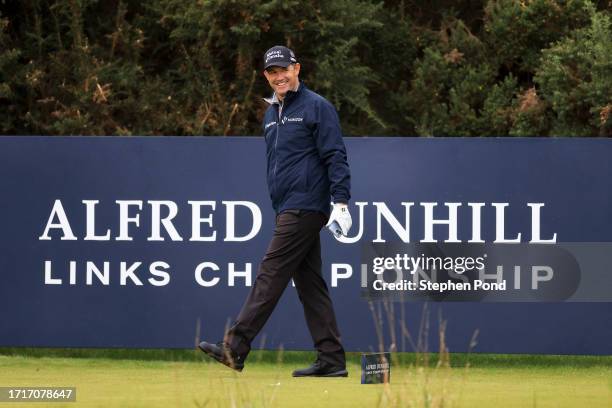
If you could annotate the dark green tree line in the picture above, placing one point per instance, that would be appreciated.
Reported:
(408, 68)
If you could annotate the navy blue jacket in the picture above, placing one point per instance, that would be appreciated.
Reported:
(307, 165)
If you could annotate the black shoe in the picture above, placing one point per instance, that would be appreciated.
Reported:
(321, 369)
(223, 354)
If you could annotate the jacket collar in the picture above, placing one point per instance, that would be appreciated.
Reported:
(290, 95)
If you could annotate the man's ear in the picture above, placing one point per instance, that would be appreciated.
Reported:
(296, 67)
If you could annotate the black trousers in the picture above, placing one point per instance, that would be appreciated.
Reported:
(294, 252)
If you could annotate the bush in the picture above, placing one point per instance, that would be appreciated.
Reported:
(575, 80)
(175, 67)
(516, 31)
(11, 78)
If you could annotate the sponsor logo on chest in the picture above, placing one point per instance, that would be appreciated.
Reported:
(286, 119)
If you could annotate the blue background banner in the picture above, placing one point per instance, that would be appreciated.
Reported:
(55, 292)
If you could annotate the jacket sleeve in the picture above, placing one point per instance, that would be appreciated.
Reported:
(328, 138)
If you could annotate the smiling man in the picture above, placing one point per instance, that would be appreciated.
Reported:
(306, 169)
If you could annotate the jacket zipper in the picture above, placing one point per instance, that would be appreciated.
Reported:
(280, 112)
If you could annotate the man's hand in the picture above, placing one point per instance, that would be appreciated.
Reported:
(340, 220)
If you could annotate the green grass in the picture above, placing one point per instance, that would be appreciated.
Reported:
(183, 378)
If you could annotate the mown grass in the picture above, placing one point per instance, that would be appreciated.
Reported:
(305, 357)
(184, 378)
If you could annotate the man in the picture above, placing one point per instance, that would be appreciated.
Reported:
(307, 167)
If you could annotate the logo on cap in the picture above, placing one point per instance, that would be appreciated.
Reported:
(279, 55)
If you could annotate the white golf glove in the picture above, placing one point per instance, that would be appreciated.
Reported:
(339, 220)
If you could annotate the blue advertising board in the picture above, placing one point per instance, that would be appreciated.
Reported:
(155, 241)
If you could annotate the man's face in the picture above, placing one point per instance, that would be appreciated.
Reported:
(283, 79)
